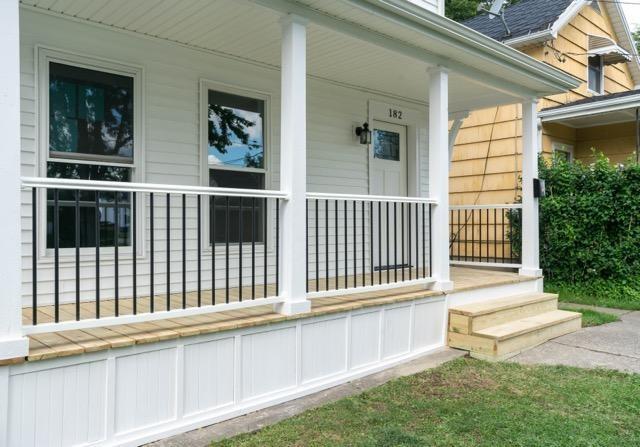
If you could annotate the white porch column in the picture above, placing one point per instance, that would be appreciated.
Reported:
(293, 165)
(530, 232)
(439, 175)
(12, 343)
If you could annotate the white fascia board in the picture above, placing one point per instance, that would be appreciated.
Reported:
(588, 109)
(477, 43)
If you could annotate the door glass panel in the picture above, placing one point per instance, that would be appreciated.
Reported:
(386, 145)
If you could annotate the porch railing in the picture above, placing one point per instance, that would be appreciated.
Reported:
(106, 253)
(485, 235)
(357, 243)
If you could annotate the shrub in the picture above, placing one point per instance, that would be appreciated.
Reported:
(589, 220)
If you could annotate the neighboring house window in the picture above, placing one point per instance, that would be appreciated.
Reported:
(236, 159)
(595, 74)
(91, 134)
(563, 151)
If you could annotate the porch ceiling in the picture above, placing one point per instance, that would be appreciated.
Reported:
(246, 30)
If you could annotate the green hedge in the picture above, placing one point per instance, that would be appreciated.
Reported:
(589, 220)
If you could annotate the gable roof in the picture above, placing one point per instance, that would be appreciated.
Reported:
(537, 21)
(524, 19)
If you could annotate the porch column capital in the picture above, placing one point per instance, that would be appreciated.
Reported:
(12, 342)
(293, 18)
(437, 69)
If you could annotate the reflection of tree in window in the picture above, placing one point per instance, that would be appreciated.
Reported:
(386, 145)
(90, 119)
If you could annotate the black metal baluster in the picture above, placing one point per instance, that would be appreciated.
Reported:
(346, 247)
(510, 241)
(151, 255)
(395, 241)
(253, 248)
(466, 236)
(212, 236)
(504, 242)
(77, 247)
(317, 251)
(371, 272)
(326, 244)
(479, 235)
(457, 234)
(355, 247)
(199, 249)
(409, 240)
(379, 242)
(116, 253)
(34, 256)
(387, 241)
(488, 238)
(495, 235)
(417, 243)
(335, 225)
(424, 245)
(277, 247)
(240, 237)
(364, 255)
(306, 238)
(227, 250)
(430, 240)
(264, 244)
(184, 251)
(134, 250)
(97, 230)
(168, 248)
(56, 254)
(402, 237)
(473, 235)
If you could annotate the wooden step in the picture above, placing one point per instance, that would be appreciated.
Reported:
(469, 318)
(506, 340)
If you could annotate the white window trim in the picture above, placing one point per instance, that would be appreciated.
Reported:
(558, 146)
(204, 86)
(45, 55)
(593, 92)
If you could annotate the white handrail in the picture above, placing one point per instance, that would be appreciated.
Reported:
(93, 185)
(367, 198)
(502, 206)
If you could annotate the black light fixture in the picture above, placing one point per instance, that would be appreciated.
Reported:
(364, 133)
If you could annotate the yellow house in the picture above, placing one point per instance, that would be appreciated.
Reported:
(589, 40)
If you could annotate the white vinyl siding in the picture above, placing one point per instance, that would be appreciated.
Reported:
(171, 154)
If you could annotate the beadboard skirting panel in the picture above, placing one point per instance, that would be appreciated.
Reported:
(137, 394)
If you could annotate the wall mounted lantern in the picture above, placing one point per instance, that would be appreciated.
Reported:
(364, 133)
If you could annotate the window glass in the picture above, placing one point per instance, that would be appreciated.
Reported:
(253, 211)
(90, 114)
(386, 145)
(87, 207)
(235, 130)
(595, 74)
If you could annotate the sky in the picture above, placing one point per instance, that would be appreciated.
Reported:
(632, 11)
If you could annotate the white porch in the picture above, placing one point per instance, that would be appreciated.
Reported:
(320, 229)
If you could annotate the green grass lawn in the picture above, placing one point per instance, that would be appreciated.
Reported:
(591, 317)
(473, 403)
(616, 294)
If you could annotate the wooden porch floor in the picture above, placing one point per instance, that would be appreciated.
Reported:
(73, 342)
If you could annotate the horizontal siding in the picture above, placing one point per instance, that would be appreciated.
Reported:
(336, 162)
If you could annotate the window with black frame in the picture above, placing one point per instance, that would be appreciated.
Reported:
(236, 148)
(91, 137)
(595, 74)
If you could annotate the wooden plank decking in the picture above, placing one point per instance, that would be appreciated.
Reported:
(60, 344)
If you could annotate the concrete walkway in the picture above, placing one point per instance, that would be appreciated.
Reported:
(269, 416)
(612, 346)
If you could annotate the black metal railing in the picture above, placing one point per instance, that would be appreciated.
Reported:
(364, 241)
(101, 257)
(485, 234)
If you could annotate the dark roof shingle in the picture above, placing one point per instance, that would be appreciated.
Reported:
(523, 18)
(595, 99)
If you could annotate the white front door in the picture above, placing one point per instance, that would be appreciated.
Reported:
(388, 170)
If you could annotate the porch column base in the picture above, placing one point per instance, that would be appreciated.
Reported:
(293, 307)
(13, 348)
(442, 286)
(530, 272)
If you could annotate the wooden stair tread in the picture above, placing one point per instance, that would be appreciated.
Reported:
(500, 304)
(526, 325)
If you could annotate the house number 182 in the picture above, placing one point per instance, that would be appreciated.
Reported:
(395, 113)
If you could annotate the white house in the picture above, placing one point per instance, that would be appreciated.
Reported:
(272, 173)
